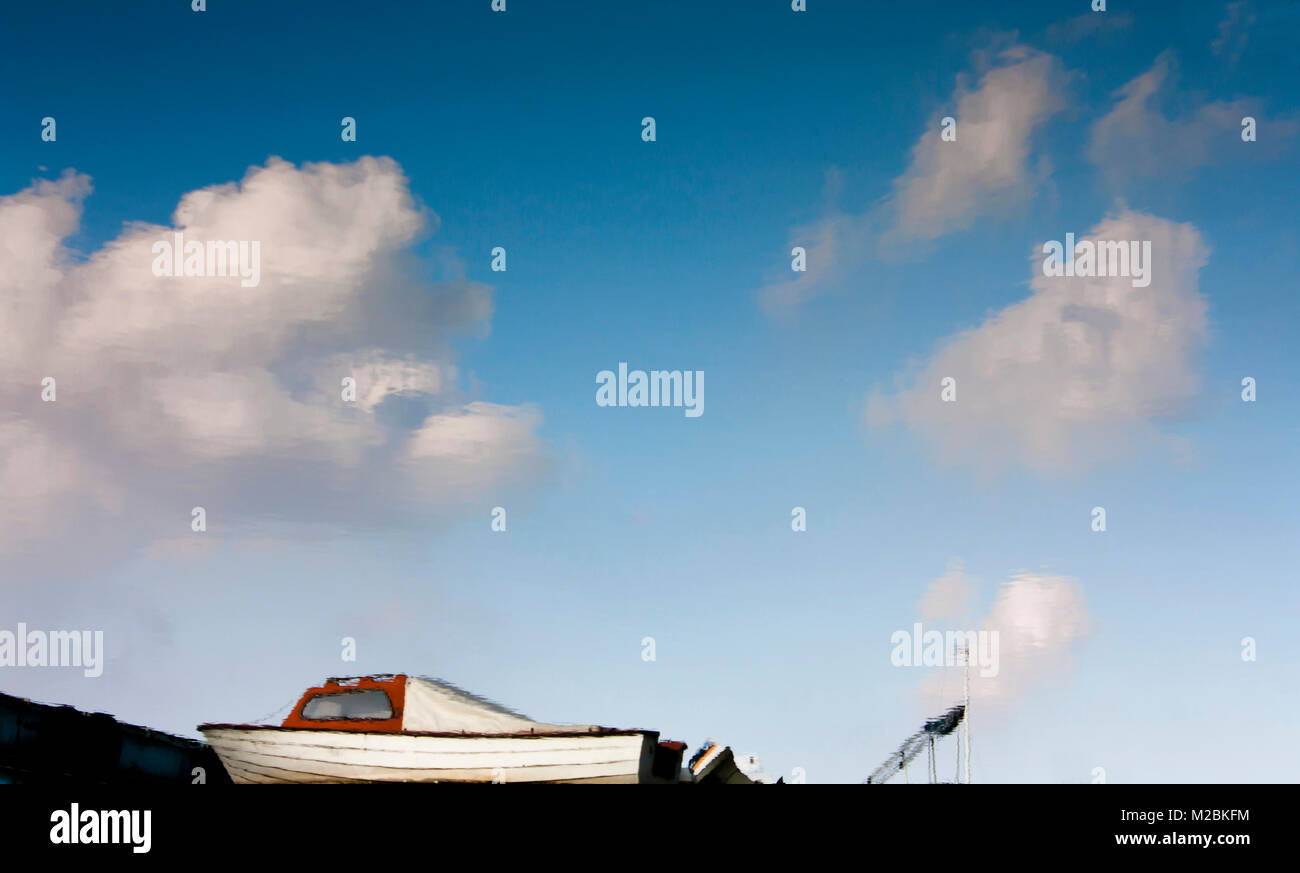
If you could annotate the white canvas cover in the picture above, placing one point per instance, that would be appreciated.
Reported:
(433, 705)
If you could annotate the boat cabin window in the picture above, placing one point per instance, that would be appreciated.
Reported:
(348, 706)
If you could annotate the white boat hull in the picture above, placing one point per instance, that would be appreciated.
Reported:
(287, 755)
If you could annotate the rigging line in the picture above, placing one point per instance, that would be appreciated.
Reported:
(274, 713)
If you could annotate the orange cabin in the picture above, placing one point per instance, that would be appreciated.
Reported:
(364, 703)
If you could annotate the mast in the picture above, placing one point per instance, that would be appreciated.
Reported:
(966, 714)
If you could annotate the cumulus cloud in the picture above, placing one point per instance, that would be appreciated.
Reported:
(175, 392)
(1134, 139)
(1040, 620)
(1081, 369)
(949, 184)
(987, 170)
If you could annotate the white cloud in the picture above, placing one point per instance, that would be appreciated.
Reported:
(1040, 621)
(176, 392)
(948, 185)
(379, 377)
(833, 246)
(1076, 372)
(479, 432)
(1135, 139)
(987, 168)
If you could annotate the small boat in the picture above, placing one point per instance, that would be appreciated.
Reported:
(399, 728)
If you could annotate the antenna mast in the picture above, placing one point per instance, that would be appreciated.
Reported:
(966, 713)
